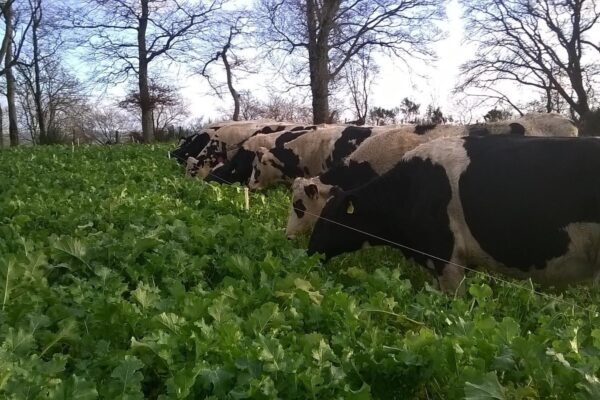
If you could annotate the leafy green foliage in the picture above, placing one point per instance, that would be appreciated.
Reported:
(120, 278)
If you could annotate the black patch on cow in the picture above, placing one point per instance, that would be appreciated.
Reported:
(519, 193)
(270, 129)
(299, 208)
(407, 205)
(303, 128)
(290, 161)
(478, 130)
(238, 169)
(517, 129)
(423, 129)
(289, 136)
(349, 140)
(349, 176)
(190, 147)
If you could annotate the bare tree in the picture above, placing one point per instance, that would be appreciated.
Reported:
(250, 107)
(495, 115)
(12, 44)
(275, 107)
(107, 125)
(410, 110)
(167, 105)
(58, 95)
(359, 75)
(544, 45)
(127, 36)
(434, 115)
(383, 116)
(230, 60)
(326, 35)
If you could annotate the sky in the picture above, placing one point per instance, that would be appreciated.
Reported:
(394, 82)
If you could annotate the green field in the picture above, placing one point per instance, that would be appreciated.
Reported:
(121, 279)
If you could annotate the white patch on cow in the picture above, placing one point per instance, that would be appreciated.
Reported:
(383, 150)
(429, 265)
(452, 156)
(581, 262)
(445, 131)
(547, 124)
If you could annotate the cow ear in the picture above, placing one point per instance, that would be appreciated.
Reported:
(334, 191)
(311, 191)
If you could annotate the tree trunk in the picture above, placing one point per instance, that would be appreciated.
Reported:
(37, 18)
(145, 102)
(319, 87)
(318, 57)
(234, 94)
(13, 131)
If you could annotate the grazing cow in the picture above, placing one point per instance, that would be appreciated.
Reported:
(527, 207)
(380, 153)
(375, 156)
(192, 145)
(308, 155)
(239, 167)
(534, 124)
(226, 142)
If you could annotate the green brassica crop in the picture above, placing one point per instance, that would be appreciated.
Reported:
(122, 279)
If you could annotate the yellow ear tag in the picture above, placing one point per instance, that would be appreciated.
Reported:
(350, 209)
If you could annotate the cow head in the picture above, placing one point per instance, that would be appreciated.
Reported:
(190, 146)
(266, 170)
(308, 199)
(213, 155)
(338, 229)
(191, 167)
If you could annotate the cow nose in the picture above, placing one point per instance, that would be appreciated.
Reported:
(291, 237)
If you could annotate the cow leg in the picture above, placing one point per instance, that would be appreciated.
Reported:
(451, 278)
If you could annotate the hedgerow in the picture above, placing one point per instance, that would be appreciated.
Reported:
(122, 279)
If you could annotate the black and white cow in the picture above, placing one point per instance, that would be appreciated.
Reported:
(534, 124)
(192, 145)
(375, 156)
(226, 142)
(379, 153)
(527, 207)
(239, 168)
(308, 155)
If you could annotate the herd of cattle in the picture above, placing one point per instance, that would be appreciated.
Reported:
(521, 197)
